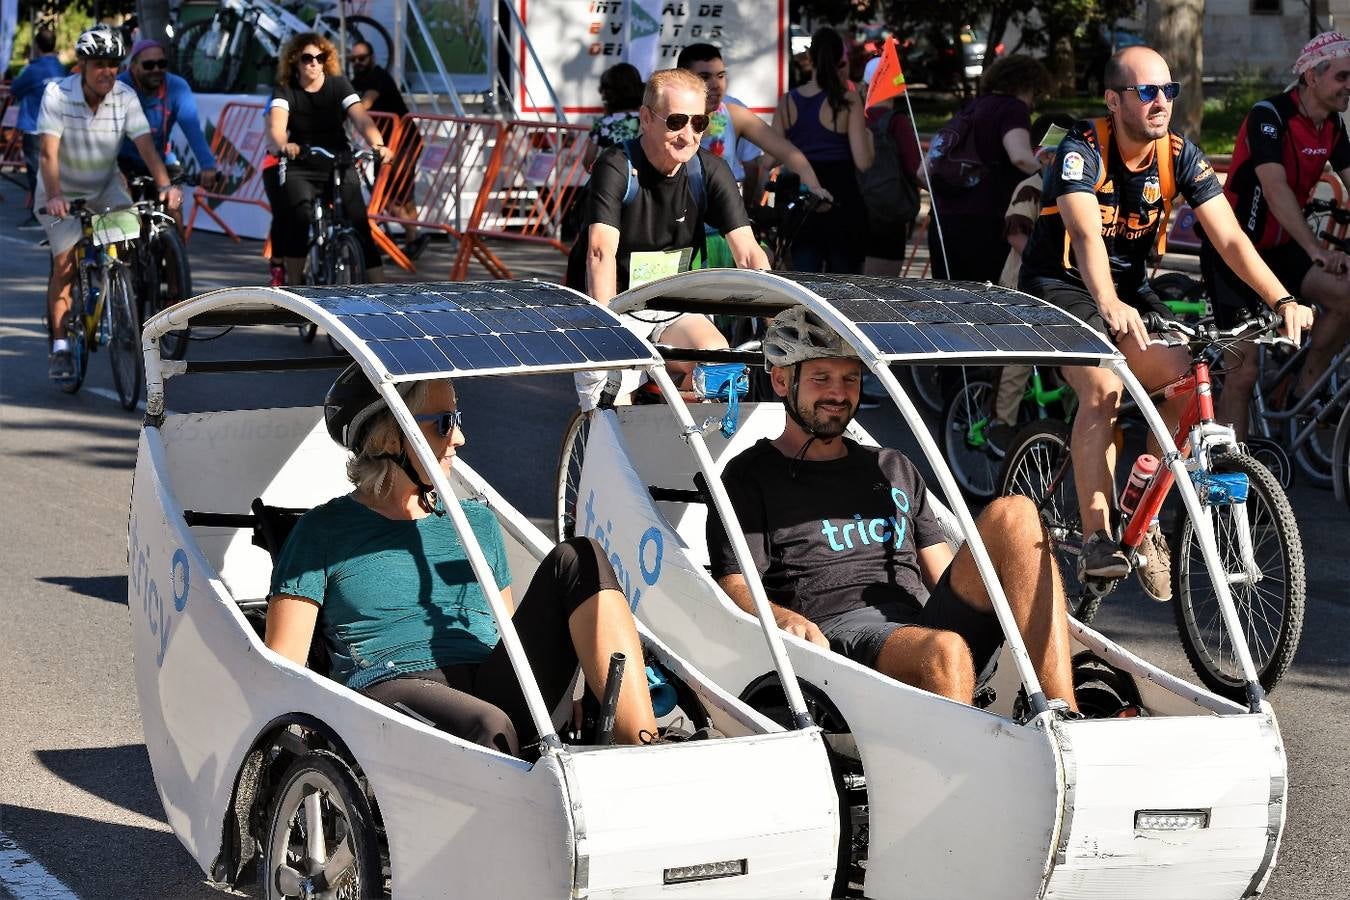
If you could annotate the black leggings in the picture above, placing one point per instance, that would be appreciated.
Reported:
(293, 202)
(483, 703)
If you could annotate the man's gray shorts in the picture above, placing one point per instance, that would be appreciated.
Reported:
(860, 633)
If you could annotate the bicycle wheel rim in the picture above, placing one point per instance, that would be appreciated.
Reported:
(569, 474)
(172, 284)
(975, 468)
(1270, 611)
(124, 342)
(75, 334)
(1037, 459)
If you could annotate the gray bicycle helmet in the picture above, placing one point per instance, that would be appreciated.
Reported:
(100, 42)
(797, 335)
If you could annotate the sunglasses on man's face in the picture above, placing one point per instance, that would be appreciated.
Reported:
(446, 422)
(361, 58)
(310, 58)
(151, 65)
(677, 121)
(1149, 92)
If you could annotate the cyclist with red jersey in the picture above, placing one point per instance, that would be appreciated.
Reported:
(1284, 145)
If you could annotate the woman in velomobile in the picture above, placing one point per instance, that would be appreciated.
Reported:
(405, 620)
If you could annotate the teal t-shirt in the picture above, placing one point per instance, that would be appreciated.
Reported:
(398, 597)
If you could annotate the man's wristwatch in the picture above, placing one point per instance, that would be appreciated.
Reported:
(1283, 302)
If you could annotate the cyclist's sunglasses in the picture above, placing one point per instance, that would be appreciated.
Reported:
(151, 65)
(359, 57)
(320, 57)
(1149, 92)
(446, 422)
(677, 121)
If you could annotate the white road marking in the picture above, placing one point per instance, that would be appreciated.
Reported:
(12, 330)
(110, 394)
(31, 244)
(25, 878)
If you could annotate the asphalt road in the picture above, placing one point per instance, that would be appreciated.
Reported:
(77, 800)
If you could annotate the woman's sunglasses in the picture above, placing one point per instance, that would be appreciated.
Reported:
(321, 57)
(1149, 92)
(151, 65)
(677, 121)
(446, 422)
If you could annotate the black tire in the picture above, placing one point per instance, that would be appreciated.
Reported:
(972, 461)
(1314, 455)
(569, 474)
(926, 385)
(1038, 466)
(75, 334)
(352, 866)
(316, 273)
(364, 28)
(348, 267)
(209, 69)
(124, 341)
(1274, 457)
(1271, 611)
(1340, 468)
(168, 280)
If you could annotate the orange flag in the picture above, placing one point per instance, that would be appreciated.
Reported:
(888, 81)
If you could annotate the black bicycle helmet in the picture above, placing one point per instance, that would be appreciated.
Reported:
(349, 407)
(100, 42)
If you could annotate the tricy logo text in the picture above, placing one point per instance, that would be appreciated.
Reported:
(865, 532)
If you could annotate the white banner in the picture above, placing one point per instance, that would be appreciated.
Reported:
(577, 40)
(247, 219)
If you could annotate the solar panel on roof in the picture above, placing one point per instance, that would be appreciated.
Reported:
(421, 329)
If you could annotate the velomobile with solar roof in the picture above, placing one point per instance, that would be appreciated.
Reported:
(999, 799)
(265, 765)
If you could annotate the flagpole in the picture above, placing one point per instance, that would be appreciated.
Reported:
(880, 90)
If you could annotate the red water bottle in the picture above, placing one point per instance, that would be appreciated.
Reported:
(1145, 467)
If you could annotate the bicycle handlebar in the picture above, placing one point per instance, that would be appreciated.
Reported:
(1338, 215)
(1202, 336)
(309, 150)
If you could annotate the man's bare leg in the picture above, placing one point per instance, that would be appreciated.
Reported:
(927, 658)
(1024, 561)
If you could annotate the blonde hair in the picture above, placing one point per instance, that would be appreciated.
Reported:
(289, 60)
(667, 80)
(366, 469)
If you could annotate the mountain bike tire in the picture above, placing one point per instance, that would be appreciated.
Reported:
(168, 281)
(206, 71)
(124, 340)
(1340, 470)
(1274, 603)
(1040, 454)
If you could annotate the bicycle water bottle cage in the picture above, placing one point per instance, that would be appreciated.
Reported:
(1220, 488)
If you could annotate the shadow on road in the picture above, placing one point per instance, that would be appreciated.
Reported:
(120, 775)
(112, 588)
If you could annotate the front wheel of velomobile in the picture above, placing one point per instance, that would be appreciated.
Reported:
(321, 839)
(569, 473)
(1270, 610)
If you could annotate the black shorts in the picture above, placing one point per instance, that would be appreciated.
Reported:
(860, 633)
(1077, 301)
(1230, 295)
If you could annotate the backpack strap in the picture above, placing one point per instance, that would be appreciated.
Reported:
(693, 172)
(1102, 129)
(1167, 181)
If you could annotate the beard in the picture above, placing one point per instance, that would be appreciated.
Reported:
(1144, 131)
(826, 424)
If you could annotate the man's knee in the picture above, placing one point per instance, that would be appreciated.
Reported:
(1098, 392)
(948, 666)
(1011, 525)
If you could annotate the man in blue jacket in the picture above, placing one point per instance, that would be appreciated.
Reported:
(167, 101)
(27, 90)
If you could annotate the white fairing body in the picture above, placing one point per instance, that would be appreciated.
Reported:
(460, 819)
(962, 802)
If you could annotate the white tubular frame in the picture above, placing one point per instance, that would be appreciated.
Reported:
(722, 504)
(1208, 544)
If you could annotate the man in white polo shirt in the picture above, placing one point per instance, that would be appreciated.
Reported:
(81, 125)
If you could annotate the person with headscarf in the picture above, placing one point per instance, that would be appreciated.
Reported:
(1282, 147)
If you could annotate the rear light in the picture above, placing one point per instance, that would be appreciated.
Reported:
(705, 871)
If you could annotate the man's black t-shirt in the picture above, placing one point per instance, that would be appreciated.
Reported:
(1131, 205)
(832, 536)
(376, 79)
(318, 119)
(663, 216)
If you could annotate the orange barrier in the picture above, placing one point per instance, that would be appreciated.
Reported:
(440, 164)
(532, 180)
(11, 139)
(391, 128)
(239, 146)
